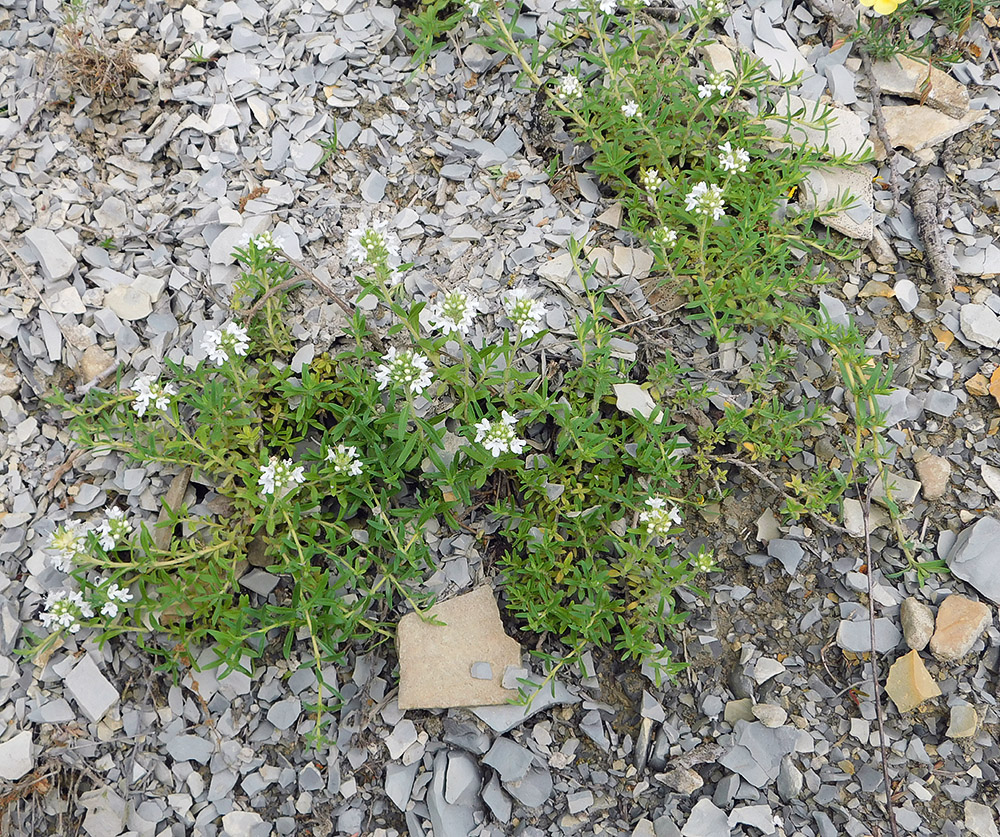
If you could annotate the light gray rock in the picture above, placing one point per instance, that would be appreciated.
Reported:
(91, 690)
(706, 820)
(402, 737)
(765, 669)
(477, 58)
(399, 782)
(979, 819)
(55, 260)
(906, 295)
(190, 748)
(509, 759)
(770, 715)
(241, 823)
(105, 813)
(373, 189)
(501, 719)
(980, 325)
(855, 636)
(941, 403)
(497, 800)
(458, 815)
(533, 789)
(788, 552)
(760, 817)
(976, 555)
(790, 779)
(904, 490)
(16, 759)
(284, 713)
(129, 303)
(918, 623)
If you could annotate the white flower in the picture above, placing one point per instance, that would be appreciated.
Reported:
(116, 596)
(474, 7)
(344, 459)
(453, 312)
(630, 109)
(733, 159)
(715, 83)
(569, 87)
(608, 6)
(650, 179)
(706, 200)
(704, 561)
(714, 8)
(498, 437)
(524, 311)
(660, 517)
(279, 475)
(65, 609)
(664, 236)
(263, 242)
(114, 530)
(405, 369)
(374, 244)
(149, 391)
(221, 345)
(68, 542)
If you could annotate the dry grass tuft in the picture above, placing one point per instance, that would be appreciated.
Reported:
(94, 66)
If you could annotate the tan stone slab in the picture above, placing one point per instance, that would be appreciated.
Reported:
(825, 187)
(909, 683)
(435, 661)
(907, 77)
(960, 622)
(916, 127)
(795, 122)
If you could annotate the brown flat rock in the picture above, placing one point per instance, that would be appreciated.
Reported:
(436, 661)
(960, 622)
(907, 77)
(909, 683)
(916, 127)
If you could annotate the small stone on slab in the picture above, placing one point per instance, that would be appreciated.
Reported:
(909, 683)
(962, 722)
(918, 623)
(435, 661)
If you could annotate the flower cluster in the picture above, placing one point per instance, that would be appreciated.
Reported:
(715, 83)
(113, 530)
(498, 436)
(714, 8)
(705, 200)
(406, 369)
(65, 609)
(116, 595)
(474, 7)
(631, 109)
(344, 459)
(263, 242)
(664, 236)
(524, 311)
(608, 6)
(704, 561)
(374, 244)
(569, 87)
(453, 312)
(659, 518)
(279, 475)
(650, 180)
(150, 391)
(223, 344)
(733, 159)
(68, 543)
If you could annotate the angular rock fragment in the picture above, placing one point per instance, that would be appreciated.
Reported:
(960, 622)
(706, 820)
(91, 690)
(916, 127)
(975, 557)
(435, 661)
(909, 683)
(15, 757)
(56, 261)
(963, 722)
(105, 813)
(918, 623)
(934, 472)
(914, 79)
(980, 325)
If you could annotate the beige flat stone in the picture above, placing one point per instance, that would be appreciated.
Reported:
(960, 622)
(823, 187)
(909, 683)
(916, 127)
(435, 661)
(845, 134)
(907, 77)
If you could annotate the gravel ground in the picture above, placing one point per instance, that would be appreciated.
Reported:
(772, 729)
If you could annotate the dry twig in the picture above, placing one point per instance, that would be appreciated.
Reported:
(924, 196)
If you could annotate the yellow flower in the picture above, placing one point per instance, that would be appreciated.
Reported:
(882, 7)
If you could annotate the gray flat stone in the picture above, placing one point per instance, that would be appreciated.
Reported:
(510, 760)
(855, 636)
(105, 813)
(91, 690)
(373, 189)
(532, 789)
(16, 759)
(457, 816)
(498, 800)
(190, 748)
(501, 719)
(399, 782)
(55, 260)
(241, 823)
(980, 325)
(979, 819)
(976, 555)
(788, 552)
(706, 820)
(760, 817)
(284, 713)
